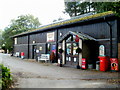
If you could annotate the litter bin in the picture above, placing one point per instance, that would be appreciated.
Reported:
(22, 55)
(104, 63)
(97, 65)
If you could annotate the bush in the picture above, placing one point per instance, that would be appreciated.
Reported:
(6, 77)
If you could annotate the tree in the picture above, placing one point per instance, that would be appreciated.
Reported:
(59, 19)
(77, 8)
(21, 24)
(24, 23)
(1, 39)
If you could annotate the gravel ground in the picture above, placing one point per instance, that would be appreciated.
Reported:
(31, 74)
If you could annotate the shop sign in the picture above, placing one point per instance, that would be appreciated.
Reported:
(101, 50)
(50, 37)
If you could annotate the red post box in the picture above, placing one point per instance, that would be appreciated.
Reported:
(114, 64)
(104, 63)
(84, 63)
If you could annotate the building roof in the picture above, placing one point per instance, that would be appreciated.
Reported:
(81, 35)
(68, 22)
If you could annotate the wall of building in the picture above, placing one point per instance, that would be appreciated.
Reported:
(22, 45)
(119, 52)
(98, 30)
(40, 42)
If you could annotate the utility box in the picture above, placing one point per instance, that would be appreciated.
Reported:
(114, 64)
(104, 63)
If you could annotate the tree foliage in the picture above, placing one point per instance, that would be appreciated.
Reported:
(59, 19)
(6, 77)
(1, 38)
(24, 23)
(78, 8)
(21, 24)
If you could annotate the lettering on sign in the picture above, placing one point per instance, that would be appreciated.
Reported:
(101, 50)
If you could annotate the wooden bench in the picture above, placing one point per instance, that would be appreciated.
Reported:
(44, 57)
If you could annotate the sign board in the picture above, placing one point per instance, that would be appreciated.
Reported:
(17, 54)
(114, 64)
(45, 57)
(54, 48)
(101, 50)
(50, 37)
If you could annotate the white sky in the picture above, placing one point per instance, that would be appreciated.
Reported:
(45, 10)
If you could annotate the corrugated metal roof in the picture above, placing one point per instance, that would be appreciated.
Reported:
(66, 22)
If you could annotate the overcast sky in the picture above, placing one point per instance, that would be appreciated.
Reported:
(45, 10)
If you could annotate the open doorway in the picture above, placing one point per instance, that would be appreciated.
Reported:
(34, 47)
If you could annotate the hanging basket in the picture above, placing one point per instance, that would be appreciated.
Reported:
(60, 51)
(78, 50)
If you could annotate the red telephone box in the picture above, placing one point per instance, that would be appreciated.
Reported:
(104, 63)
(84, 63)
(114, 64)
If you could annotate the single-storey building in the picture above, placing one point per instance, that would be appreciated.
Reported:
(87, 33)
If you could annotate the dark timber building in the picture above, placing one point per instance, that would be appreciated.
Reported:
(87, 33)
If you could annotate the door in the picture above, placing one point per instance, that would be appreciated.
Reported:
(71, 55)
(48, 49)
(34, 47)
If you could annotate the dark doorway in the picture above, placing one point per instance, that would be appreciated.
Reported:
(34, 47)
(48, 50)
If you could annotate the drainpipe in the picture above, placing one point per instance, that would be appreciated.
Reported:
(28, 45)
(57, 46)
(110, 26)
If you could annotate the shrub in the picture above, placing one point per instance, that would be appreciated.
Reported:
(6, 77)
